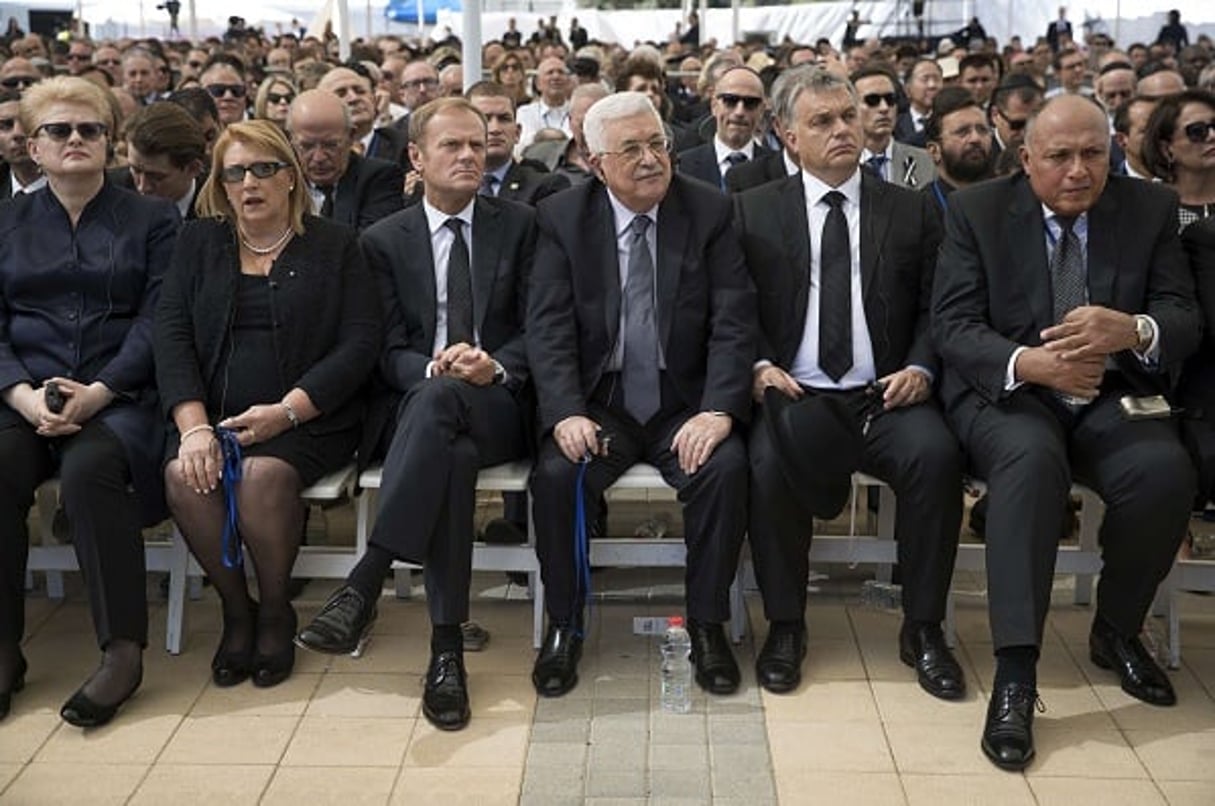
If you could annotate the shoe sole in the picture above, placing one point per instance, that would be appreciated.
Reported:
(355, 651)
(778, 688)
(466, 717)
(1005, 765)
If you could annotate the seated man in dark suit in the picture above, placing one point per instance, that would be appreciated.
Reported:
(166, 155)
(843, 264)
(1058, 292)
(665, 374)
(738, 108)
(453, 271)
(506, 177)
(353, 190)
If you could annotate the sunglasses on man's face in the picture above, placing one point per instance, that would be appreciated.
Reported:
(874, 99)
(1199, 130)
(60, 132)
(749, 102)
(18, 82)
(262, 170)
(220, 90)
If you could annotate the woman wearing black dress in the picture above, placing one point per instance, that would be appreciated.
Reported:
(267, 329)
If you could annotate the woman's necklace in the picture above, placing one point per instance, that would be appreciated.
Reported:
(265, 250)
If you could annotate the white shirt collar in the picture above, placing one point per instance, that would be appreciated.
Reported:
(866, 154)
(791, 167)
(183, 204)
(817, 188)
(722, 150)
(16, 187)
(436, 218)
(623, 216)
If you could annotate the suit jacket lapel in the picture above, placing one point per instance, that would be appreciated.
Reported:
(875, 221)
(1102, 263)
(602, 246)
(795, 223)
(344, 193)
(416, 241)
(1027, 253)
(486, 245)
(672, 242)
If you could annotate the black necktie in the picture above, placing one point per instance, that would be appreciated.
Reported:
(1067, 270)
(459, 288)
(639, 366)
(835, 295)
(327, 202)
(732, 159)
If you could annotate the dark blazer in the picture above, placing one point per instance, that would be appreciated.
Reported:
(528, 184)
(399, 254)
(1196, 390)
(81, 304)
(369, 190)
(324, 304)
(899, 238)
(391, 143)
(705, 300)
(905, 132)
(992, 291)
(701, 162)
(759, 171)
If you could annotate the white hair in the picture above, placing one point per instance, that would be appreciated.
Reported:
(613, 107)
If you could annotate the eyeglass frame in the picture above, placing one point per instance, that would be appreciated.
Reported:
(228, 176)
(97, 130)
(635, 151)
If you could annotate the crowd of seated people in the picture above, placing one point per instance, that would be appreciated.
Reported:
(230, 267)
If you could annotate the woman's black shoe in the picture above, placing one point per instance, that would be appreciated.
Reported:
(82, 712)
(6, 697)
(233, 667)
(270, 670)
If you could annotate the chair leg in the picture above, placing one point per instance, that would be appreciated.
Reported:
(175, 617)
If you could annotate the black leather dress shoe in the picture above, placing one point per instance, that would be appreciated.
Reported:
(1141, 676)
(556, 669)
(6, 697)
(342, 625)
(1008, 738)
(716, 670)
(779, 665)
(445, 697)
(922, 647)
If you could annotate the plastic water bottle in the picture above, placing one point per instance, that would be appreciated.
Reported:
(676, 668)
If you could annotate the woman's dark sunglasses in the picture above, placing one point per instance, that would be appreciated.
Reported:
(218, 90)
(60, 132)
(276, 98)
(1198, 131)
(262, 170)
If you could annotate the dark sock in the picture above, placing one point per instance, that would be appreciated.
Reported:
(446, 638)
(1017, 664)
(368, 575)
(792, 625)
(119, 673)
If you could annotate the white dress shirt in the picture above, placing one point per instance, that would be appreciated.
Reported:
(622, 222)
(538, 115)
(805, 369)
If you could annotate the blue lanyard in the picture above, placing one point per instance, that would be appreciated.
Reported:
(936, 191)
(231, 477)
(582, 543)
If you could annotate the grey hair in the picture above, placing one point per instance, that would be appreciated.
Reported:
(613, 107)
(782, 90)
(595, 89)
(815, 79)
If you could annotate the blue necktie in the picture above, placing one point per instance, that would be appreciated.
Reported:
(732, 159)
(877, 165)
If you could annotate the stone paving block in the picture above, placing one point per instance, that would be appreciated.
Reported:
(679, 784)
(616, 783)
(554, 781)
(556, 754)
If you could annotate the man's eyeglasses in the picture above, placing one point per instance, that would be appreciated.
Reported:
(1015, 125)
(874, 99)
(964, 132)
(510, 66)
(279, 98)
(219, 90)
(262, 170)
(109, 62)
(420, 83)
(1198, 131)
(18, 82)
(634, 152)
(749, 102)
(60, 132)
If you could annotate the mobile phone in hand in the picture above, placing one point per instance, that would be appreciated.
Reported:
(55, 400)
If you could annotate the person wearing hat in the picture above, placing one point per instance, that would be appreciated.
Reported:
(843, 264)
(665, 375)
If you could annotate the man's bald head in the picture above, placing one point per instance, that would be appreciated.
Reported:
(1160, 84)
(321, 132)
(1066, 154)
(313, 107)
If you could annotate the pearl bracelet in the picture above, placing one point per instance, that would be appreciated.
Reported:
(191, 431)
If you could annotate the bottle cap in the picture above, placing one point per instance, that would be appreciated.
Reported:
(675, 621)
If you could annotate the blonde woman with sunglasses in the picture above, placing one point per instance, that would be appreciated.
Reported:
(81, 262)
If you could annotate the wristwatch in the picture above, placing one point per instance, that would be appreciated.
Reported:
(1143, 332)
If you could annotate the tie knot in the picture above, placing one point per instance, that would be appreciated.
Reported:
(877, 160)
(834, 199)
(736, 157)
(453, 224)
(1065, 223)
(640, 225)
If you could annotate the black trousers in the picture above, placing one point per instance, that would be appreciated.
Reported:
(1028, 448)
(913, 451)
(446, 431)
(103, 513)
(714, 506)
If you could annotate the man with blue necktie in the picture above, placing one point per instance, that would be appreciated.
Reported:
(882, 155)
